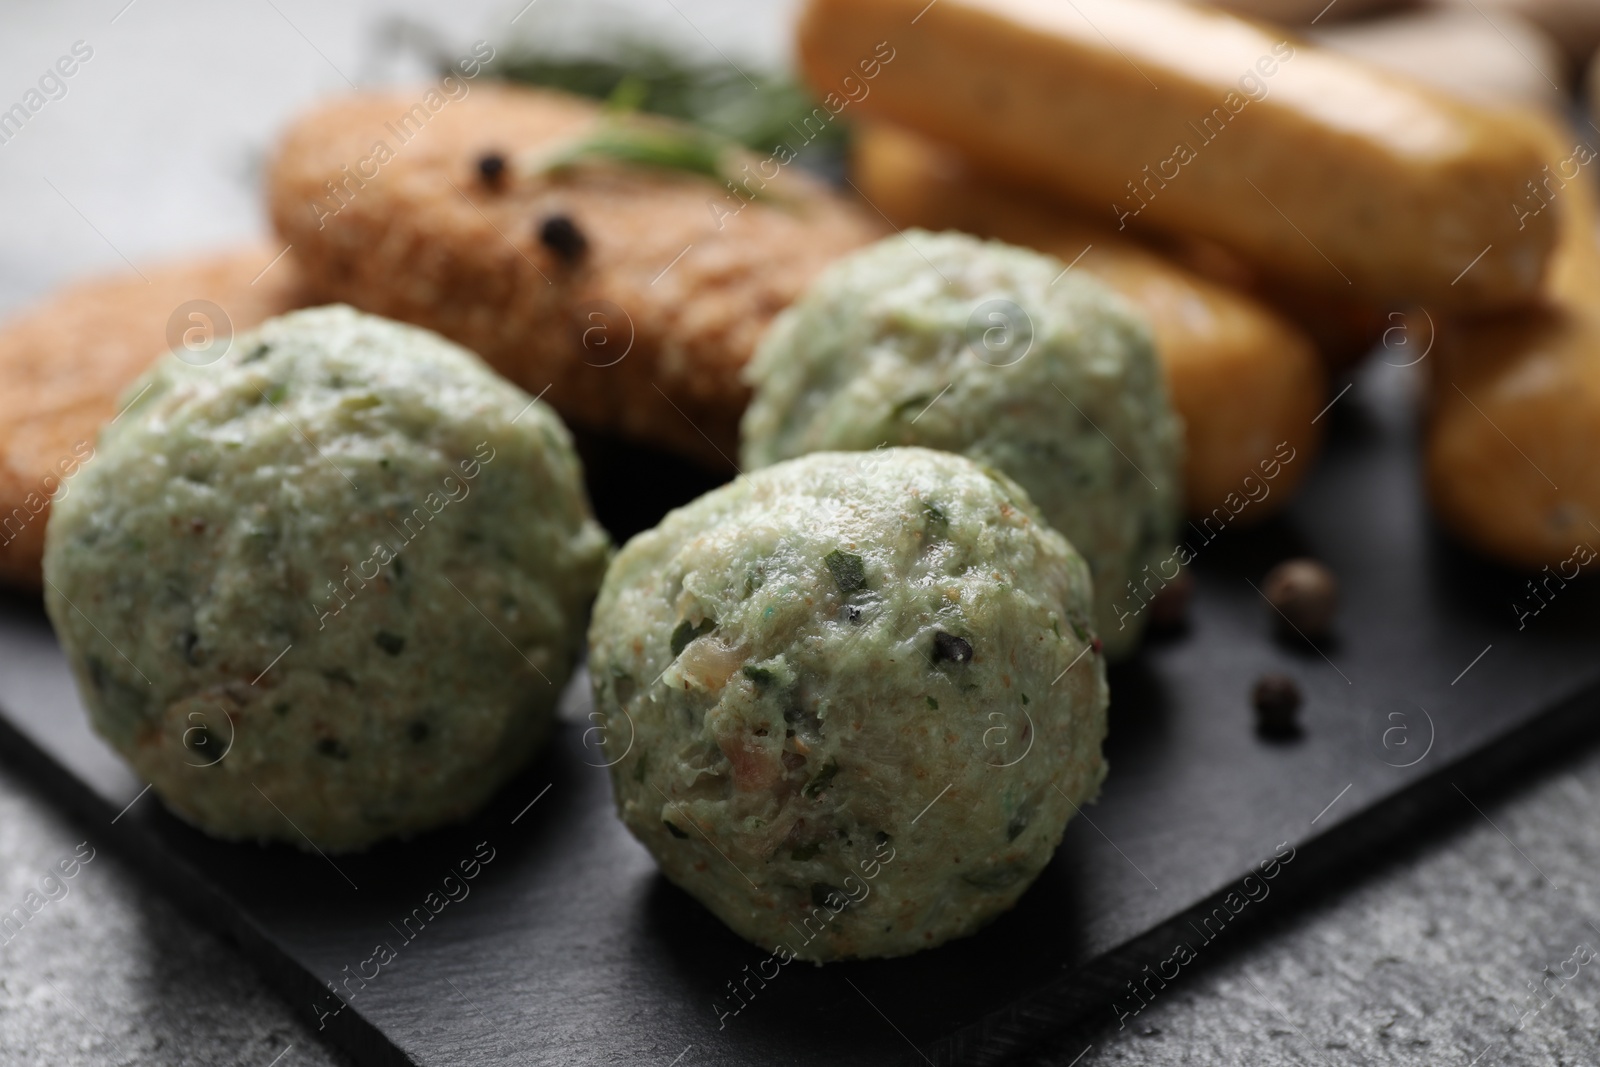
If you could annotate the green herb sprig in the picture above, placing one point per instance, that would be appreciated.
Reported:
(715, 96)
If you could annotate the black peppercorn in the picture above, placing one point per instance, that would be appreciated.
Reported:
(1305, 593)
(492, 169)
(562, 236)
(1277, 700)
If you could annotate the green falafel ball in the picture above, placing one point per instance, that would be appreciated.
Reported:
(851, 700)
(326, 589)
(1001, 354)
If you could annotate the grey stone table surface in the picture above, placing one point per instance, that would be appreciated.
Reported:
(1429, 955)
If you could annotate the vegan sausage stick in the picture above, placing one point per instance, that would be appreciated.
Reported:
(1331, 173)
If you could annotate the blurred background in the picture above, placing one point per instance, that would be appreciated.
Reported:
(157, 147)
(172, 116)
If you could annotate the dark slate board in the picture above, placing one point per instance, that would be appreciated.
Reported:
(569, 948)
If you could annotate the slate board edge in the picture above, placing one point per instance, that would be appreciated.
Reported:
(1321, 862)
(211, 907)
(993, 1040)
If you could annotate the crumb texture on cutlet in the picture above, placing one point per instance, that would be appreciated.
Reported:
(643, 335)
(67, 361)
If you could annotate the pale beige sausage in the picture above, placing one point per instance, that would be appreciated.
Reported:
(1152, 112)
(1515, 428)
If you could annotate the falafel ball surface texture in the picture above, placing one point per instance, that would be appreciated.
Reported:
(279, 581)
(1004, 355)
(851, 699)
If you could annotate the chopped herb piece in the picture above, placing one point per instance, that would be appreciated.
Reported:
(629, 95)
(825, 896)
(99, 674)
(952, 648)
(998, 877)
(633, 73)
(258, 352)
(196, 739)
(341, 676)
(687, 632)
(666, 147)
(333, 748)
(1024, 698)
(805, 852)
(393, 644)
(190, 642)
(848, 569)
(276, 394)
(673, 830)
(932, 703)
(915, 402)
(823, 778)
(682, 634)
(763, 677)
(562, 236)
(1018, 823)
(937, 521)
(1079, 630)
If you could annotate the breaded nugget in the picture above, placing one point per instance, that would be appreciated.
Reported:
(66, 362)
(634, 294)
(1244, 380)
